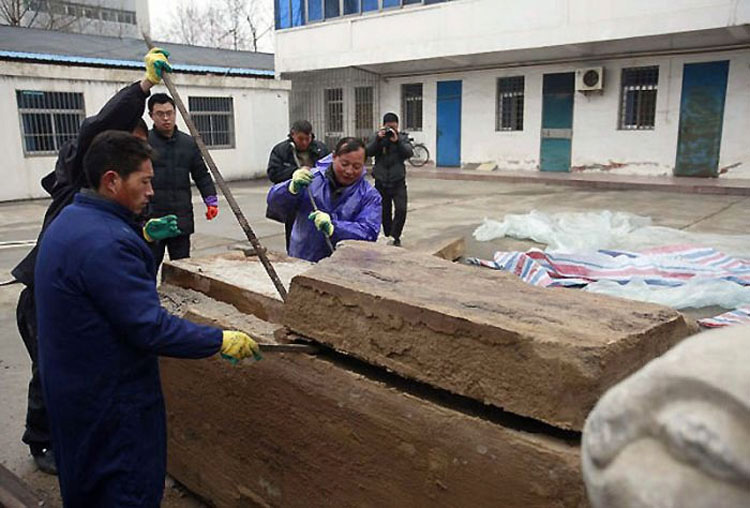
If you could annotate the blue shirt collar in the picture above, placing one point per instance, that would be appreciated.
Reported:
(88, 197)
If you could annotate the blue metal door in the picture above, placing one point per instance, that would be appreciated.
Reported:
(557, 121)
(704, 88)
(449, 123)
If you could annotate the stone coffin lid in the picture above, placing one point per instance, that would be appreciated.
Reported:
(547, 354)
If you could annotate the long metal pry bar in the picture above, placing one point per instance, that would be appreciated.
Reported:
(220, 181)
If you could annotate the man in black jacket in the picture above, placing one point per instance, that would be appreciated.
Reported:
(390, 149)
(122, 112)
(177, 160)
(299, 150)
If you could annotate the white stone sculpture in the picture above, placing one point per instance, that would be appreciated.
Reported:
(676, 434)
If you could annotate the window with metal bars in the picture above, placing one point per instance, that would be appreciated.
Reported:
(334, 102)
(638, 99)
(48, 119)
(335, 110)
(509, 104)
(363, 111)
(411, 105)
(214, 119)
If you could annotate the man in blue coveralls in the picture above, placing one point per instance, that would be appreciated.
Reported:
(348, 206)
(101, 330)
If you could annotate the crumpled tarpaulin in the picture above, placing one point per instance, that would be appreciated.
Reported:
(602, 229)
(679, 276)
(734, 317)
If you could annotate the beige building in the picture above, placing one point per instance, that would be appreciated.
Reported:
(50, 81)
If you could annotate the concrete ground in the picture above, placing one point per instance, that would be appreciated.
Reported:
(436, 207)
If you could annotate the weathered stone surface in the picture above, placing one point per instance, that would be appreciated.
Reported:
(675, 433)
(543, 353)
(14, 493)
(297, 430)
(236, 279)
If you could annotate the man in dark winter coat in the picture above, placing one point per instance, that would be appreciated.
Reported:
(348, 206)
(299, 150)
(177, 160)
(101, 331)
(122, 112)
(390, 149)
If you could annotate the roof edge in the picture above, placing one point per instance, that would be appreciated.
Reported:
(130, 64)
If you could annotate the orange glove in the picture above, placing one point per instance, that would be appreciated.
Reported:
(211, 212)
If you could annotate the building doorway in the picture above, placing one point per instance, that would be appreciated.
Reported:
(557, 121)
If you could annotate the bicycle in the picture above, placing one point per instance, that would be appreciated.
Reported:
(421, 154)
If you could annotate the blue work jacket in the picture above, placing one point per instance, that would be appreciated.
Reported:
(355, 213)
(101, 330)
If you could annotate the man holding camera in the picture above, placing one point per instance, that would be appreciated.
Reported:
(390, 149)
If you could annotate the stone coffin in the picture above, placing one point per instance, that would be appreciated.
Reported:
(547, 354)
(299, 430)
(236, 279)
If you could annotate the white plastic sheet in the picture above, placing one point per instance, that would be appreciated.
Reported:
(693, 294)
(590, 231)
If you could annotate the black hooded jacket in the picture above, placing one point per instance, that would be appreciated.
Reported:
(281, 163)
(177, 160)
(121, 112)
(389, 158)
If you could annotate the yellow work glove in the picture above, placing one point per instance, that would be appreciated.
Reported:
(236, 346)
(322, 221)
(300, 179)
(156, 63)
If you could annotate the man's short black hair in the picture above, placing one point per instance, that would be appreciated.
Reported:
(302, 126)
(140, 126)
(159, 98)
(348, 145)
(390, 117)
(116, 151)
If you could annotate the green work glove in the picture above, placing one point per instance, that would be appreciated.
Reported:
(236, 346)
(161, 228)
(156, 63)
(300, 179)
(322, 221)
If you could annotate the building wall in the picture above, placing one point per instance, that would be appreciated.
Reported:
(473, 27)
(260, 117)
(597, 142)
(93, 21)
(308, 101)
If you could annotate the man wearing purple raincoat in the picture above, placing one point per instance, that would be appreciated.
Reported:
(349, 208)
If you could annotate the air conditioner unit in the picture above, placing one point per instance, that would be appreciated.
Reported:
(590, 79)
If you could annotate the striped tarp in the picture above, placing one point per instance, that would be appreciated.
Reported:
(737, 316)
(670, 266)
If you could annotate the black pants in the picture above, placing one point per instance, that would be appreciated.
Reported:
(395, 194)
(179, 248)
(37, 434)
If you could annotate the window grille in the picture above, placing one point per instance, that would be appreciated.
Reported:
(638, 99)
(48, 119)
(334, 99)
(509, 104)
(214, 119)
(411, 105)
(363, 111)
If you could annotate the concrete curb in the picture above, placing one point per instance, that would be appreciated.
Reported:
(687, 185)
